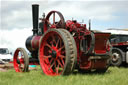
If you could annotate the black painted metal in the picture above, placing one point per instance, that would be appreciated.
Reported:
(89, 24)
(35, 15)
(28, 43)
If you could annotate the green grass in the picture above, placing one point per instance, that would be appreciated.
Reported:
(114, 76)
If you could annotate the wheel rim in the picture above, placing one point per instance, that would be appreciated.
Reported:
(52, 54)
(19, 61)
(54, 23)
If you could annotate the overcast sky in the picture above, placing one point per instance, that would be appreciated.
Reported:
(15, 15)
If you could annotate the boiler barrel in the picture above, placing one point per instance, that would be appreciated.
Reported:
(32, 43)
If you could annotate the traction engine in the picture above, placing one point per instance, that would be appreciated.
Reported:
(60, 47)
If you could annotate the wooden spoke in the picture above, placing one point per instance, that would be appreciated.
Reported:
(50, 51)
(48, 45)
(62, 56)
(51, 61)
(60, 64)
(51, 65)
(45, 57)
(60, 43)
(54, 38)
(60, 48)
(55, 65)
(62, 61)
(58, 23)
(57, 42)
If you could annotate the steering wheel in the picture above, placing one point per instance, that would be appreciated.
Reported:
(55, 21)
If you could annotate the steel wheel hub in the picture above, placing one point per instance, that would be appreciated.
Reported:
(53, 54)
(115, 57)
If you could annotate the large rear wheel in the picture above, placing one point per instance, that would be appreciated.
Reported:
(57, 52)
(21, 60)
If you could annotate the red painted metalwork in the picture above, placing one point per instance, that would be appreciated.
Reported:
(101, 45)
(18, 61)
(17, 66)
(120, 44)
(52, 54)
(54, 24)
(35, 42)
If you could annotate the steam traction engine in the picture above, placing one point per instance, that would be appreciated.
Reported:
(61, 46)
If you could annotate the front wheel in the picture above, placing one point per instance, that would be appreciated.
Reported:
(21, 60)
(57, 52)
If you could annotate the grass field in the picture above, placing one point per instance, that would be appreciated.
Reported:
(114, 76)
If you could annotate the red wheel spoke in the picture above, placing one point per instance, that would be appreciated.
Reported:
(51, 43)
(60, 63)
(62, 56)
(54, 39)
(58, 23)
(55, 65)
(51, 61)
(57, 42)
(60, 43)
(60, 48)
(51, 65)
(50, 51)
(47, 56)
(53, 18)
(48, 45)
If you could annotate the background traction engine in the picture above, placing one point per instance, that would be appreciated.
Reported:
(61, 46)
